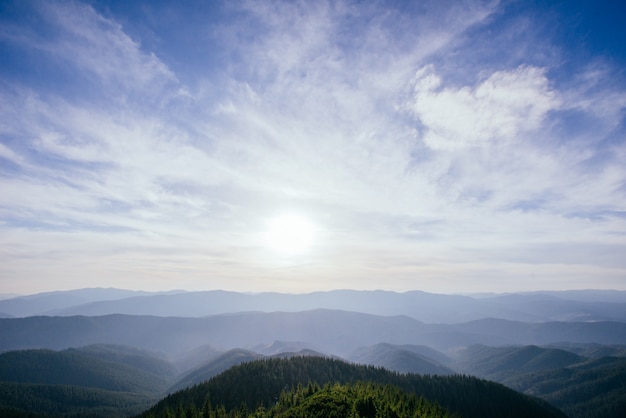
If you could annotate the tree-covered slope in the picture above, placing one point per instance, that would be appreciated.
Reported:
(592, 350)
(262, 382)
(594, 389)
(213, 367)
(496, 363)
(337, 401)
(93, 381)
(401, 358)
(144, 360)
(28, 400)
(580, 386)
(86, 369)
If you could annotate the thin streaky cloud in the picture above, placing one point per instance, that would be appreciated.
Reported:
(441, 146)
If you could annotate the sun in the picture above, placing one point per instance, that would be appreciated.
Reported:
(290, 233)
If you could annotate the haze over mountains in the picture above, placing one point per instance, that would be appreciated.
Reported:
(335, 322)
(335, 332)
(591, 305)
(129, 349)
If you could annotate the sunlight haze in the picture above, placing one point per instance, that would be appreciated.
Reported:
(290, 233)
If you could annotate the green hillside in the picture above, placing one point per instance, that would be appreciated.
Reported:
(335, 401)
(108, 381)
(497, 363)
(38, 400)
(93, 381)
(84, 368)
(213, 367)
(261, 383)
(594, 389)
(141, 359)
(401, 358)
(579, 386)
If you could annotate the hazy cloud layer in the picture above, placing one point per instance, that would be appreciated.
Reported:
(138, 154)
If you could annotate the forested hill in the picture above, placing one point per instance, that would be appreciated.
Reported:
(245, 387)
(96, 381)
(102, 367)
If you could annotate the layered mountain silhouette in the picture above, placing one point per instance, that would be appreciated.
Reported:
(575, 306)
(570, 348)
(126, 380)
(335, 332)
(403, 358)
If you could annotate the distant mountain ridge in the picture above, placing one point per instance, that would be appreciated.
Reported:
(575, 306)
(337, 332)
(43, 303)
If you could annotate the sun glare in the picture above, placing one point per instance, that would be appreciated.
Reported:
(290, 234)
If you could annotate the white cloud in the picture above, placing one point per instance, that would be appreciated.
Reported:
(505, 105)
(463, 181)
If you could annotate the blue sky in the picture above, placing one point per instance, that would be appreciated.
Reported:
(445, 146)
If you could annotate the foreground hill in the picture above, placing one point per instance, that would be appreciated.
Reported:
(335, 332)
(332, 401)
(359, 400)
(261, 383)
(230, 358)
(110, 381)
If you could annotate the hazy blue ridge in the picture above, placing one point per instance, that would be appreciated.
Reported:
(423, 306)
(405, 358)
(334, 332)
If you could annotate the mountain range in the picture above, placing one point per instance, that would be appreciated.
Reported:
(336, 332)
(112, 352)
(590, 305)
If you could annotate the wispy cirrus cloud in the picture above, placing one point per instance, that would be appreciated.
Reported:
(93, 44)
(418, 151)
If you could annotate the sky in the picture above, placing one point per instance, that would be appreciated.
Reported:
(444, 146)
